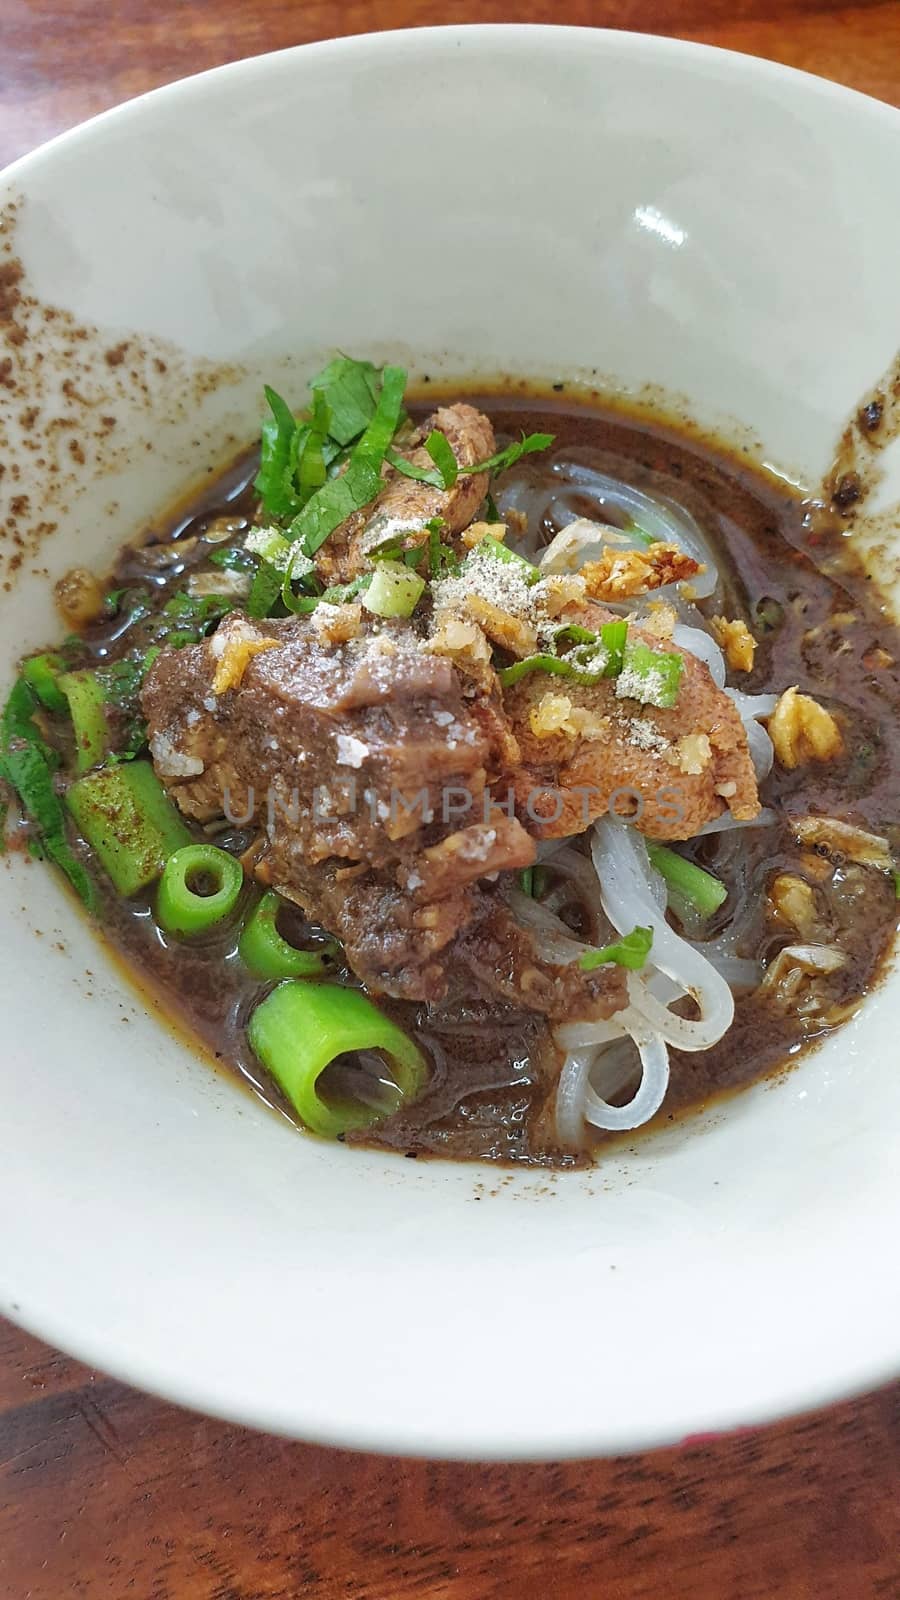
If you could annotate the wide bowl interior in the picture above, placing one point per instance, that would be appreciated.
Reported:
(548, 202)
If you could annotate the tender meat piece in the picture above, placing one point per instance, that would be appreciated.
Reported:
(405, 506)
(501, 953)
(669, 771)
(359, 742)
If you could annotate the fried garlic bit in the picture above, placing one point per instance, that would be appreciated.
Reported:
(802, 731)
(509, 632)
(622, 574)
(793, 901)
(233, 649)
(736, 641)
(337, 624)
(79, 597)
(476, 531)
(557, 714)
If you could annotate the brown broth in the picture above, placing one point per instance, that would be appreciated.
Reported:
(494, 1069)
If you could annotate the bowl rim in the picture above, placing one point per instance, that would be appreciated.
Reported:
(787, 1396)
(517, 34)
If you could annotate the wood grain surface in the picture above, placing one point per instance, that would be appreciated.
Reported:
(106, 1494)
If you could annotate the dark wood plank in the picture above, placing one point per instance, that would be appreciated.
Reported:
(107, 1494)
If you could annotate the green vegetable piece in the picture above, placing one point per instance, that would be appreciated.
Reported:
(42, 674)
(272, 482)
(491, 513)
(597, 657)
(489, 546)
(687, 883)
(896, 877)
(651, 676)
(264, 590)
(526, 881)
(408, 469)
(200, 887)
(504, 459)
(441, 452)
(361, 482)
(630, 951)
(268, 955)
(350, 389)
(301, 1027)
(27, 764)
(128, 820)
(86, 696)
(395, 590)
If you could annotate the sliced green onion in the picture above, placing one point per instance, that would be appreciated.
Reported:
(630, 951)
(301, 1027)
(651, 676)
(605, 649)
(526, 881)
(184, 909)
(504, 459)
(42, 674)
(395, 590)
(646, 539)
(86, 698)
(268, 955)
(700, 889)
(489, 546)
(128, 819)
(28, 764)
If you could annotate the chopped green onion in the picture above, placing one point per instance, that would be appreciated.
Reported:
(184, 909)
(692, 884)
(630, 951)
(300, 1028)
(27, 764)
(599, 657)
(128, 819)
(526, 881)
(269, 956)
(489, 546)
(651, 676)
(394, 591)
(504, 459)
(646, 539)
(42, 674)
(86, 698)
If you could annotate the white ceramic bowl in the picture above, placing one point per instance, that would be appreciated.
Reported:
(544, 201)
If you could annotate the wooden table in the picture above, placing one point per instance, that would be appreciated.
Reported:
(105, 1494)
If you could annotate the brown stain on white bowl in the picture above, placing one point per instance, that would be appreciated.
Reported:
(856, 474)
(76, 403)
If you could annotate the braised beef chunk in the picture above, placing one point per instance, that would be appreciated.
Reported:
(584, 750)
(405, 507)
(366, 762)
